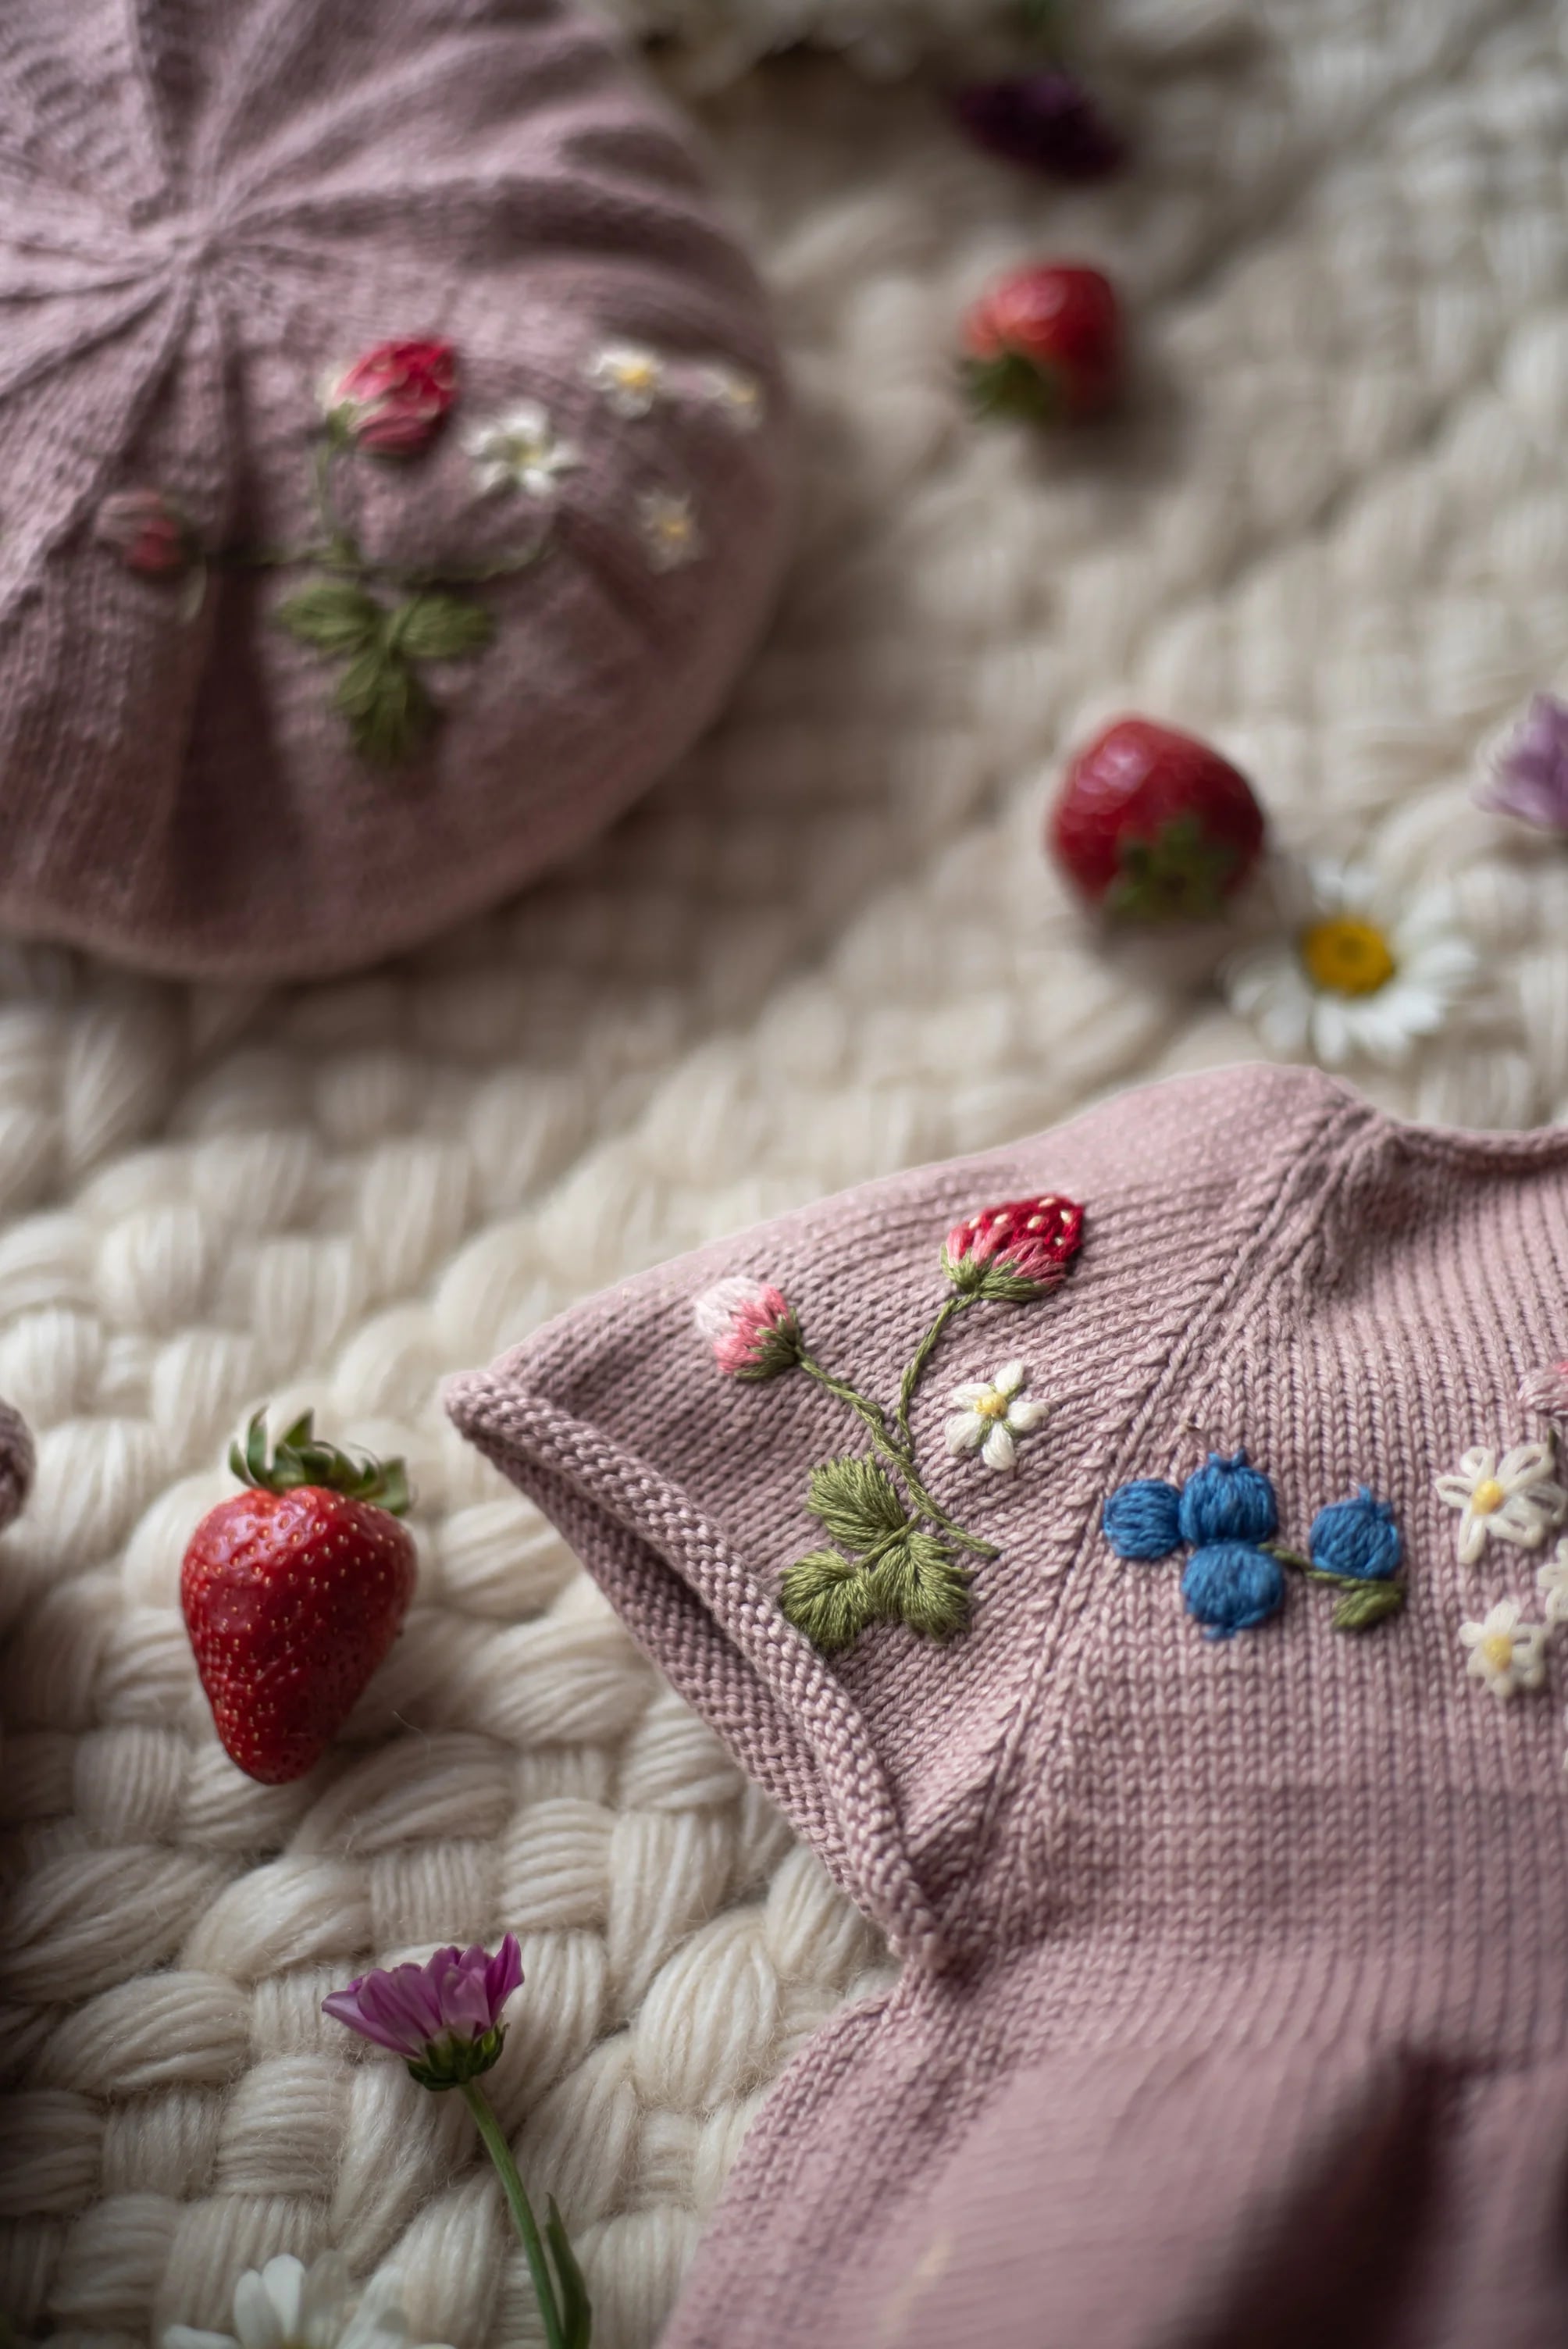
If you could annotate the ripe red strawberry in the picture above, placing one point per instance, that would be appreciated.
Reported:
(1152, 825)
(1046, 343)
(293, 1591)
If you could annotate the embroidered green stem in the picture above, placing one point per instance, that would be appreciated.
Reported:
(1369, 1600)
(872, 1415)
(562, 2298)
(922, 1354)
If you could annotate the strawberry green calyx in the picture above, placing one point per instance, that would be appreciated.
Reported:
(299, 1459)
(1180, 874)
(1010, 385)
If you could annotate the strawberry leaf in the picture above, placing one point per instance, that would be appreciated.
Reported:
(855, 1502)
(920, 1582)
(829, 1597)
(442, 627)
(388, 710)
(333, 615)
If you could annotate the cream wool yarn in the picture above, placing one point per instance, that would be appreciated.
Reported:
(1333, 535)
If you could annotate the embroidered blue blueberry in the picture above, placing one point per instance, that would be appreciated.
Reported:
(1230, 1587)
(1141, 1518)
(1357, 1537)
(1226, 1501)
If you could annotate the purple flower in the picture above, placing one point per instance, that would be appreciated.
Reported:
(1047, 121)
(443, 2017)
(1530, 773)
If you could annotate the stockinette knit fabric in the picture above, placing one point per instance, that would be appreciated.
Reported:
(208, 214)
(1234, 2007)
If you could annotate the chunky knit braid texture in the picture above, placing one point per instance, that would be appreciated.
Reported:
(1331, 533)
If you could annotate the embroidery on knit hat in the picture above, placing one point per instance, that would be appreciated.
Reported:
(1226, 1516)
(894, 1555)
(1512, 1498)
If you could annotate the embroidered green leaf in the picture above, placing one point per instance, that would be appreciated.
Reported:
(829, 1597)
(856, 1502)
(1368, 1603)
(920, 1582)
(388, 708)
(333, 615)
(442, 627)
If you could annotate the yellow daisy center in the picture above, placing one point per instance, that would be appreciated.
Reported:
(1488, 1497)
(1346, 957)
(637, 375)
(992, 1404)
(1497, 1647)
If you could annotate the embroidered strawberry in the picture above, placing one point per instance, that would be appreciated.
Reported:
(1017, 1251)
(293, 1590)
(149, 534)
(1153, 825)
(395, 398)
(1044, 343)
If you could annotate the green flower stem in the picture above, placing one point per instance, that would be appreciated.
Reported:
(922, 1354)
(876, 1424)
(500, 2152)
(1318, 1573)
(343, 553)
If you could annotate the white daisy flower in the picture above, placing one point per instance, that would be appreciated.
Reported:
(1514, 1499)
(737, 395)
(671, 534)
(630, 376)
(1357, 972)
(1505, 1655)
(521, 449)
(992, 1414)
(286, 2305)
(1552, 1579)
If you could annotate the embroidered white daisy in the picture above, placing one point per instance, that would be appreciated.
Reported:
(286, 2305)
(1505, 1655)
(630, 376)
(1515, 1499)
(1552, 1582)
(737, 395)
(992, 1414)
(521, 449)
(670, 531)
(1356, 972)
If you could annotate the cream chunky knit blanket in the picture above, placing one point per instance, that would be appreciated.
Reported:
(1332, 534)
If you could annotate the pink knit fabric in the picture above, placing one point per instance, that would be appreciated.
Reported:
(1235, 2003)
(206, 211)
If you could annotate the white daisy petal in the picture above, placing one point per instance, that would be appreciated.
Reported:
(1024, 1415)
(1010, 1378)
(966, 1433)
(256, 2320)
(282, 2278)
(999, 1451)
(327, 2291)
(971, 1392)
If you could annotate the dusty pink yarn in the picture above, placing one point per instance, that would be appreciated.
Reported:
(1234, 2007)
(207, 211)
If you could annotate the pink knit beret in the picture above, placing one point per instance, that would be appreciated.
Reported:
(392, 473)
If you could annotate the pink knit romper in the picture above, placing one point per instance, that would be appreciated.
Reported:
(1234, 2000)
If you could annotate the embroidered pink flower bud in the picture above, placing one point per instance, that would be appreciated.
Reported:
(1546, 1390)
(751, 1326)
(1017, 1251)
(149, 534)
(443, 2017)
(395, 398)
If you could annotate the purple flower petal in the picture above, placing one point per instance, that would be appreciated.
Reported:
(1047, 121)
(457, 1995)
(1529, 776)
